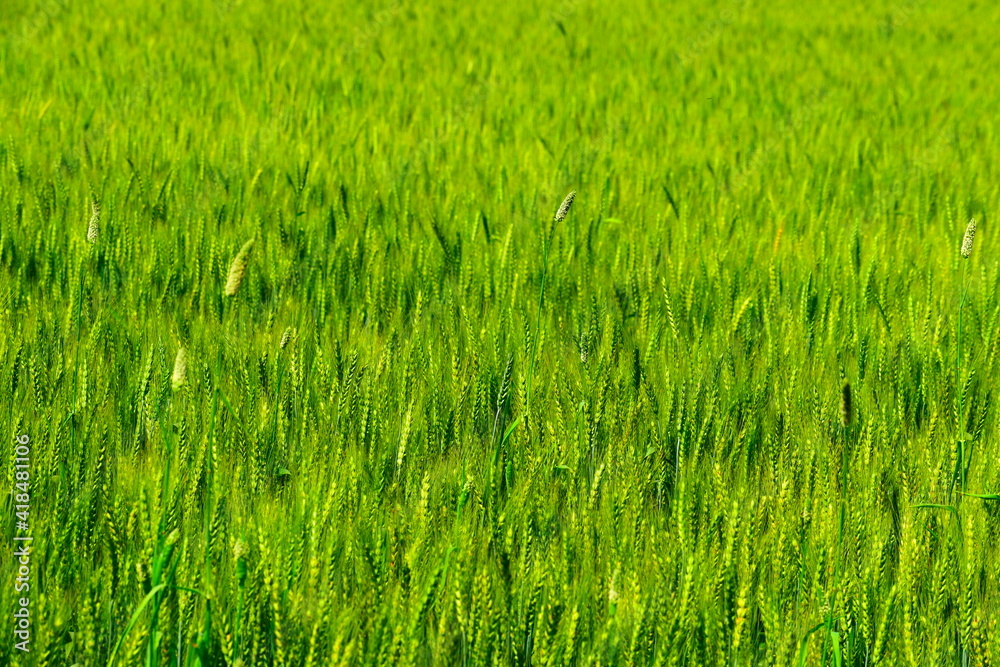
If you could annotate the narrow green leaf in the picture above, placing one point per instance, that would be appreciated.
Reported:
(983, 496)
(132, 621)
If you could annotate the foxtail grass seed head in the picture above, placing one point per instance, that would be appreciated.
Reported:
(564, 207)
(179, 376)
(240, 549)
(238, 269)
(846, 407)
(970, 233)
(95, 220)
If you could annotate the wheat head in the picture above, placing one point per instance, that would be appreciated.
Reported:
(238, 269)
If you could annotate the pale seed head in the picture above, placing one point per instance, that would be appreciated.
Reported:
(240, 549)
(95, 220)
(565, 206)
(238, 269)
(287, 337)
(179, 376)
(970, 233)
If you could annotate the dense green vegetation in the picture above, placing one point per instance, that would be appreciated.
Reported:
(313, 376)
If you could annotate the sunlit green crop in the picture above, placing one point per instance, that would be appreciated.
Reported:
(313, 373)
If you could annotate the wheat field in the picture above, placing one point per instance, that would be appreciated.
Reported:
(309, 357)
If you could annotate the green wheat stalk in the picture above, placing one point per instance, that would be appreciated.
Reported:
(559, 216)
(970, 233)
